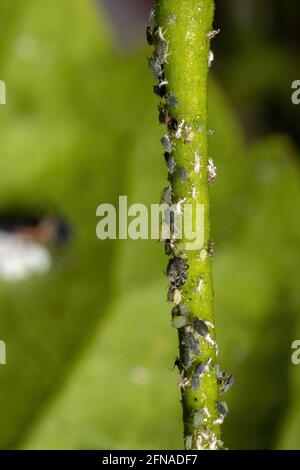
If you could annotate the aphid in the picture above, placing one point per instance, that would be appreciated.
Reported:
(188, 442)
(162, 51)
(179, 322)
(151, 32)
(172, 100)
(198, 418)
(160, 90)
(183, 174)
(177, 271)
(171, 123)
(170, 162)
(212, 171)
(210, 58)
(184, 310)
(169, 247)
(166, 196)
(195, 382)
(166, 142)
(191, 343)
(177, 296)
(172, 18)
(211, 248)
(194, 192)
(222, 408)
(156, 67)
(225, 381)
(197, 163)
(178, 134)
(187, 360)
(213, 33)
(163, 113)
(210, 131)
(199, 285)
(202, 368)
(201, 327)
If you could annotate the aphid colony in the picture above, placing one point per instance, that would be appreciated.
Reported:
(193, 332)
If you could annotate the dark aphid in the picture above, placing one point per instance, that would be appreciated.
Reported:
(160, 90)
(166, 197)
(166, 142)
(211, 248)
(172, 100)
(162, 51)
(183, 174)
(163, 113)
(169, 247)
(198, 418)
(151, 33)
(156, 67)
(222, 408)
(186, 360)
(171, 123)
(170, 162)
(225, 380)
(191, 343)
(201, 327)
(177, 271)
(177, 363)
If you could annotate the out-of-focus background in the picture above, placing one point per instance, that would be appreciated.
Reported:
(89, 346)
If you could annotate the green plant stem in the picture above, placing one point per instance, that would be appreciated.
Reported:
(185, 27)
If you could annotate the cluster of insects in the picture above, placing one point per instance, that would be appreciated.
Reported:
(195, 334)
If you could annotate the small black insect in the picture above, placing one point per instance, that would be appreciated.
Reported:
(170, 162)
(172, 100)
(177, 271)
(151, 33)
(201, 327)
(169, 247)
(171, 123)
(191, 343)
(202, 368)
(160, 90)
(163, 113)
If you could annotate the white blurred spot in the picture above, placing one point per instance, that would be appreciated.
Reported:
(26, 47)
(140, 375)
(19, 258)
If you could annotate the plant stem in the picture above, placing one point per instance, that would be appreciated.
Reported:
(180, 31)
